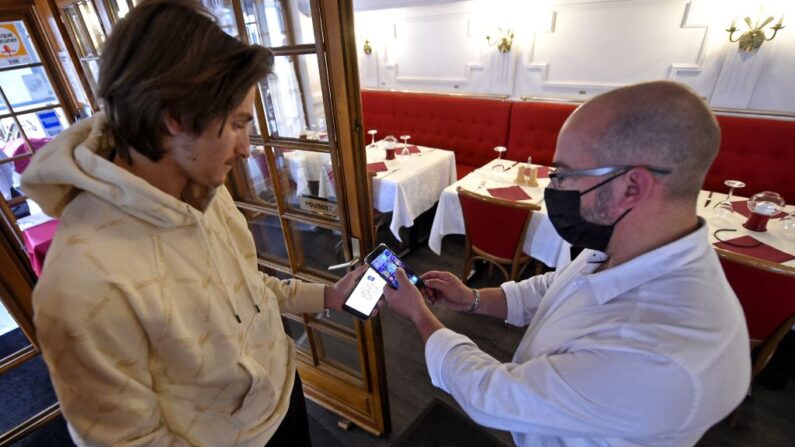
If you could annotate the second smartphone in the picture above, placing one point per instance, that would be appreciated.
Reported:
(386, 263)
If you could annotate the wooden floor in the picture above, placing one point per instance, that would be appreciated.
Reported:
(768, 417)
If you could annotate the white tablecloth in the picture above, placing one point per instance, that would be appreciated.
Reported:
(541, 241)
(411, 186)
(774, 236)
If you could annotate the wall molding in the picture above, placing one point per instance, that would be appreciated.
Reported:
(673, 70)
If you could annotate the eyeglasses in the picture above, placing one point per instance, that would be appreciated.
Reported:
(556, 177)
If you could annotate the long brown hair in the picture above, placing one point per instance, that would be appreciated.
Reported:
(168, 56)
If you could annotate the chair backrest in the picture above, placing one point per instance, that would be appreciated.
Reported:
(495, 226)
(766, 292)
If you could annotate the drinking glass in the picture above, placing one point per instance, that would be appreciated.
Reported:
(372, 133)
(787, 224)
(500, 150)
(724, 208)
(733, 184)
(405, 150)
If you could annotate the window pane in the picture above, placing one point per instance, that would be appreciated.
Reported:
(308, 182)
(293, 98)
(337, 352)
(268, 238)
(119, 7)
(12, 340)
(266, 22)
(224, 15)
(257, 179)
(318, 248)
(16, 48)
(297, 332)
(91, 21)
(44, 124)
(80, 32)
(27, 88)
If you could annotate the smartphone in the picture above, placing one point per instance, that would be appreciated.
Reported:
(365, 294)
(386, 263)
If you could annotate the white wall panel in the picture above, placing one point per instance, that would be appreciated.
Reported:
(580, 49)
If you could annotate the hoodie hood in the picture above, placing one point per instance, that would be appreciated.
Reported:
(78, 160)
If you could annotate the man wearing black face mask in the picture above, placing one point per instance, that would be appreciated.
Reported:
(639, 340)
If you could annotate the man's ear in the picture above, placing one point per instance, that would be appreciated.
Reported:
(638, 187)
(173, 123)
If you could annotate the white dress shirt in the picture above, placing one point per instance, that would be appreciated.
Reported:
(649, 353)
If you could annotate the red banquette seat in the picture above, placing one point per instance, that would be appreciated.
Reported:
(758, 151)
(471, 127)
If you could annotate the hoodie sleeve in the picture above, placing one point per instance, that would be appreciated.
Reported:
(296, 296)
(97, 354)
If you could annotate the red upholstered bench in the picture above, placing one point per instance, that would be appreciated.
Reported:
(758, 151)
(471, 127)
(534, 128)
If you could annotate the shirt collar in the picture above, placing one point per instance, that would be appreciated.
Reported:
(611, 283)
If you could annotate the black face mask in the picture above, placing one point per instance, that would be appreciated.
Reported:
(563, 207)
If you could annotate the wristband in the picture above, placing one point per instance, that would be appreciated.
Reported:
(475, 303)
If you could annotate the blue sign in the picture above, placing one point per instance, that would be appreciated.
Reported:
(50, 122)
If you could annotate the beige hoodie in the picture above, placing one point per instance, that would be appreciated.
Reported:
(153, 319)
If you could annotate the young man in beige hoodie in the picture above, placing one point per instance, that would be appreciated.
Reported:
(155, 323)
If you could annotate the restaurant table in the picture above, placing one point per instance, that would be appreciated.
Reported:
(780, 244)
(409, 185)
(37, 241)
(541, 242)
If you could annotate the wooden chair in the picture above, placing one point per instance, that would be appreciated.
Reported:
(495, 232)
(766, 291)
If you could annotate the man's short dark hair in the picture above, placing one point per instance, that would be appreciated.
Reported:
(170, 57)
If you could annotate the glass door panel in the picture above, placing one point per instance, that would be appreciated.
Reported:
(293, 97)
(224, 13)
(278, 23)
(293, 193)
(268, 236)
(308, 182)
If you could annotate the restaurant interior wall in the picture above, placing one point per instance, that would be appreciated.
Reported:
(575, 49)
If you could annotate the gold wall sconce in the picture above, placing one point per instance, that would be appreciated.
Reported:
(368, 49)
(755, 36)
(504, 42)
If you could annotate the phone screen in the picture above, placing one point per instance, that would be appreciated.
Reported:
(366, 294)
(387, 263)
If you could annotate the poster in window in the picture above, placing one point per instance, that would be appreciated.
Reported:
(13, 50)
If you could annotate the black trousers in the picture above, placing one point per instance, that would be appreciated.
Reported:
(294, 429)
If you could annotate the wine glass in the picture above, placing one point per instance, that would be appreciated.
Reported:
(732, 184)
(500, 150)
(405, 139)
(724, 209)
(372, 133)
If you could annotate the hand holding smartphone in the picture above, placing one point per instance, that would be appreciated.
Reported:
(365, 294)
(369, 288)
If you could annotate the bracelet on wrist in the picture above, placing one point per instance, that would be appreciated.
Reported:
(476, 302)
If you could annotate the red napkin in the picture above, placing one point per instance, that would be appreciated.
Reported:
(761, 251)
(377, 167)
(543, 172)
(509, 193)
(414, 149)
(741, 206)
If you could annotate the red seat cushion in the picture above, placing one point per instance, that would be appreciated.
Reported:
(471, 127)
(534, 130)
(760, 152)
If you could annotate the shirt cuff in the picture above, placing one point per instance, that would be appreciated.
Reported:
(513, 298)
(438, 346)
(310, 296)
